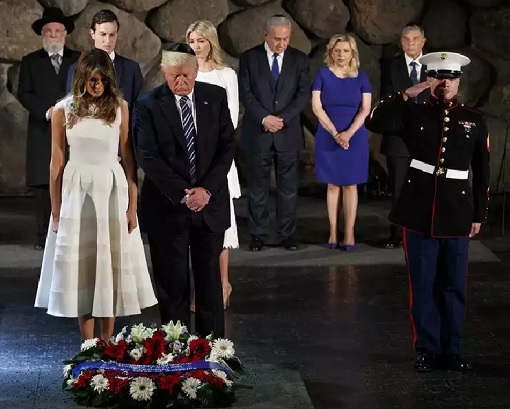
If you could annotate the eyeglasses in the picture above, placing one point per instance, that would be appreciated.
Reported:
(48, 32)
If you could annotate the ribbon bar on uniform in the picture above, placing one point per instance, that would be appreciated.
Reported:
(131, 368)
(447, 173)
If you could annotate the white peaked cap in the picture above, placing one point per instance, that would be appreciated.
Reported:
(444, 64)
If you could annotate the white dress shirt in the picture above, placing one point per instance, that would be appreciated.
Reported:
(270, 58)
(409, 60)
(191, 104)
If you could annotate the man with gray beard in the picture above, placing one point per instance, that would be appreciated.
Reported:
(42, 82)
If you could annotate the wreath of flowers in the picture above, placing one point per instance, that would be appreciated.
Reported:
(153, 367)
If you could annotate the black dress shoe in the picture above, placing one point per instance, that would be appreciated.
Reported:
(425, 362)
(456, 363)
(289, 244)
(256, 245)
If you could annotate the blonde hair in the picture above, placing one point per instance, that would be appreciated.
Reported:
(343, 38)
(207, 30)
(176, 59)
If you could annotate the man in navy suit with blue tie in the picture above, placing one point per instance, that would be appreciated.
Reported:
(274, 87)
(104, 31)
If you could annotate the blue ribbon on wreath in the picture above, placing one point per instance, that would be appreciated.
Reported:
(133, 368)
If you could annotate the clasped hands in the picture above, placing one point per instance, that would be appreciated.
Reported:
(343, 138)
(273, 123)
(197, 198)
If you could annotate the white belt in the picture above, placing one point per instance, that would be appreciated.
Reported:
(447, 173)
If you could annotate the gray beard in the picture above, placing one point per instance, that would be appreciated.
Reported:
(53, 48)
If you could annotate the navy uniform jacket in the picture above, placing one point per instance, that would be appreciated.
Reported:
(447, 135)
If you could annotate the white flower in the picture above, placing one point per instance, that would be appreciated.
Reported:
(148, 332)
(120, 335)
(174, 331)
(223, 348)
(141, 388)
(165, 359)
(70, 382)
(177, 346)
(67, 370)
(89, 343)
(190, 386)
(136, 353)
(99, 383)
(137, 333)
(213, 357)
(223, 376)
(192, 338)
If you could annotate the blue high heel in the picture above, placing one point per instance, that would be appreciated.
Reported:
(347, 247)
(333, 246)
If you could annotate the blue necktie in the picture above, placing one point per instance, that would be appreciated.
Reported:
(189, 134)
(414, 73)
(275, 72)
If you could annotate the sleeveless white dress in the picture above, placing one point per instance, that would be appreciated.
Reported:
(92, 265)
(226, 78)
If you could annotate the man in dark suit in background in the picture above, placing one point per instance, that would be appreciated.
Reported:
(274, 86)
(42, 82)
(104, 30)
(185, 148)
(397, 74)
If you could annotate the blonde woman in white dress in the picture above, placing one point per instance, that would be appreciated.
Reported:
(203, 39)
(94, 263)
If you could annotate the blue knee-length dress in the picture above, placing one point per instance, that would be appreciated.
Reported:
(341, 99)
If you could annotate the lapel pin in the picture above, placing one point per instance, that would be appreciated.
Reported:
(206, 103)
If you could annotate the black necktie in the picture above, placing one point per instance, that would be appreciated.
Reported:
(55, 61)
(189, 133)
(275, 72)
(414, 73)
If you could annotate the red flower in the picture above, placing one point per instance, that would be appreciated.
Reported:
(169, 383)
(200, 347)
(117, 385)
(117, 352)
(83, 380)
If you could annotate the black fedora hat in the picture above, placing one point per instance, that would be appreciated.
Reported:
(53, 15)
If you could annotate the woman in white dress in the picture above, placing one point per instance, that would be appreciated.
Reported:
(203, 39)
(94, 263)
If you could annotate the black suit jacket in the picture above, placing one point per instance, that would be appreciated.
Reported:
(129, 78)
(395, 78)
(162, 155)
(40, 87)
(261, 97)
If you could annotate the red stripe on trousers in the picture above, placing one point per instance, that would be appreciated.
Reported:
(413, 327)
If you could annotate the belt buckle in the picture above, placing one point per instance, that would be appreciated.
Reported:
(441, 171)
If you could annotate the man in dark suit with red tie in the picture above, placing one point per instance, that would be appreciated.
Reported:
(42, 82)
(185, 148)
(397, 74)
(274, 87)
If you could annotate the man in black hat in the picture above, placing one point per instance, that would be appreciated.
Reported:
(438, 208)
(185, 148)
(42, 82)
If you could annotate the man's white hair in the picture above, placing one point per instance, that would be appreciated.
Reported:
(176, 59)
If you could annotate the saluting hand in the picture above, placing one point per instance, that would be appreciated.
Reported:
(417, 89)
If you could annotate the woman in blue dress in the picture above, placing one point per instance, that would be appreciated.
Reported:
(341, 98)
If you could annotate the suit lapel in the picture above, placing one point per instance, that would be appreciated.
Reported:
(204, 119)
(171, 113)
(286, 71)
(67, 60)
(47, 65)
(264, 67)
(423, 73)
(119, 69)
(403, 73)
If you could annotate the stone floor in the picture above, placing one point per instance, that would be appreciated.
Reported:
(316, 328)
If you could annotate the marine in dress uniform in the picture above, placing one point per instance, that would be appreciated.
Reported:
(438, 208)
